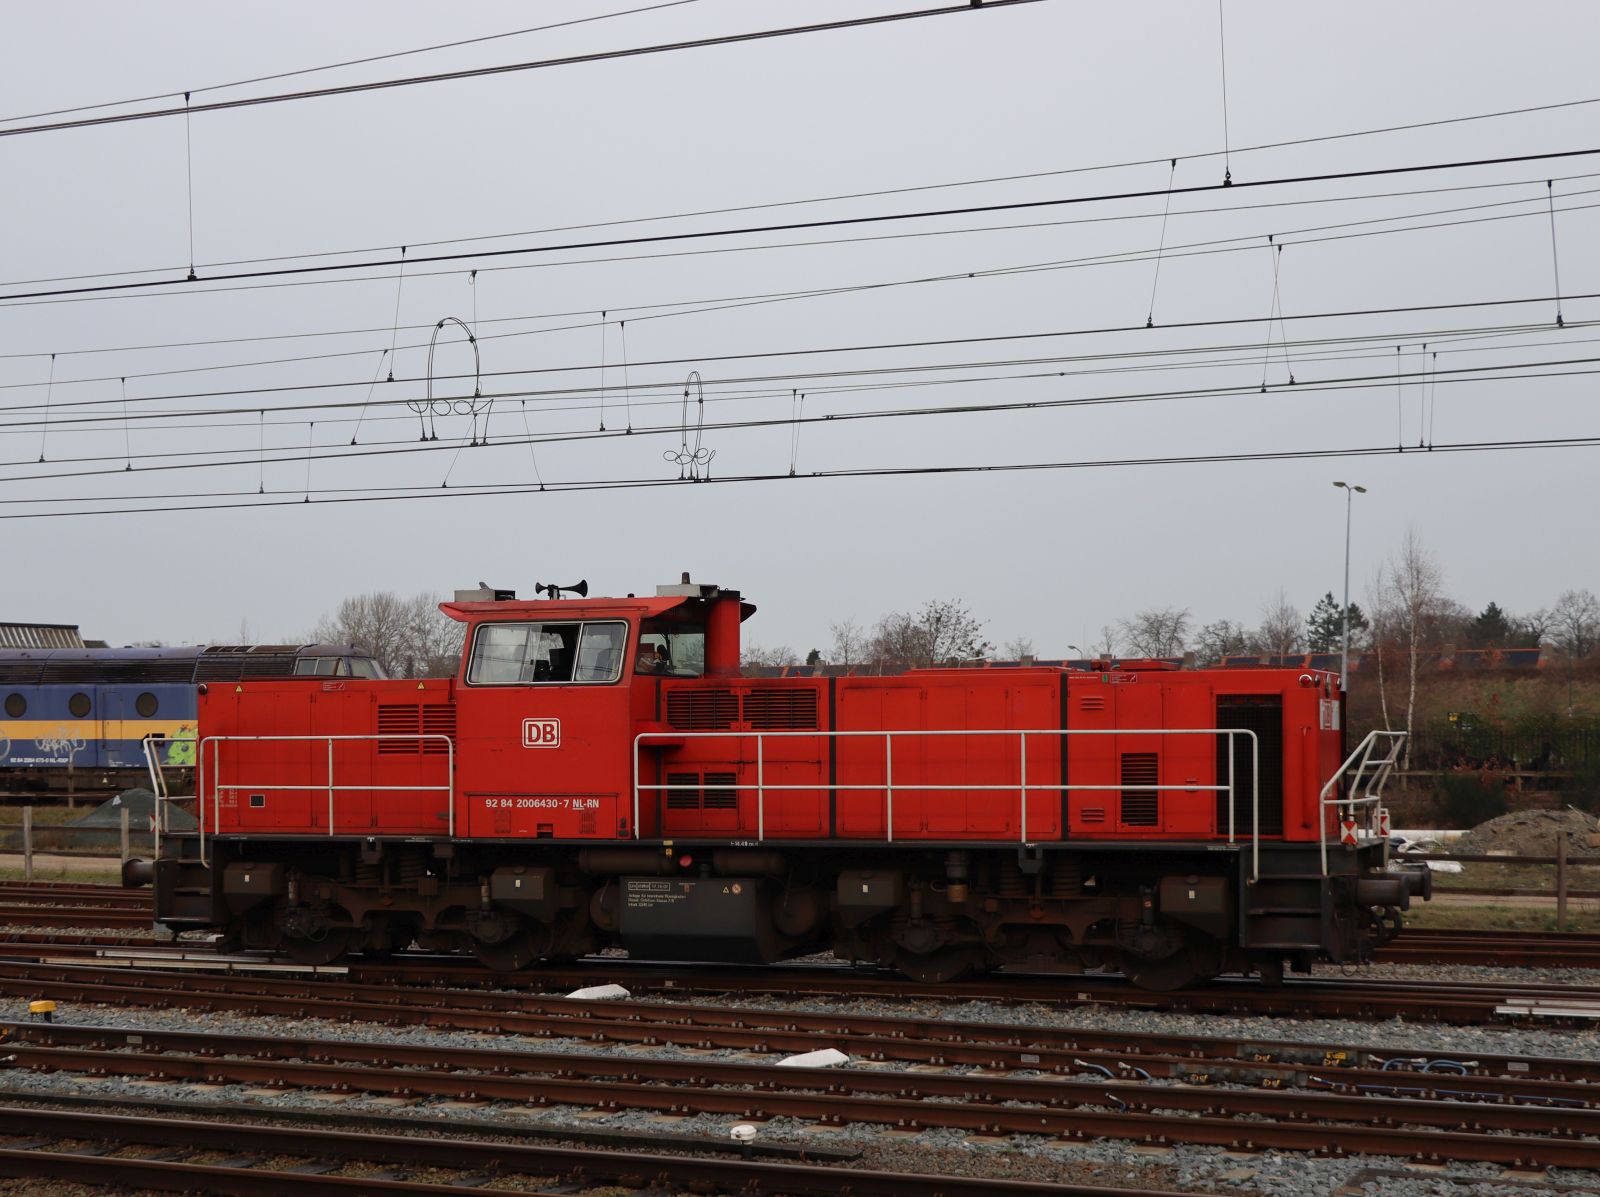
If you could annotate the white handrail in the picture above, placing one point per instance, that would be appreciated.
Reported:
(212, 744)
(163, 795)
(1022, 789)
(1374, 774)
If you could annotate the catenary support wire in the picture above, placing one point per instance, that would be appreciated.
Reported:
(1555, 259)
(1222, 45)
(1161, 244)
(49, 387)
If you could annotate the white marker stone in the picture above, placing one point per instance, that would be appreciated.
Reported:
(599, 993)
(828, 1057)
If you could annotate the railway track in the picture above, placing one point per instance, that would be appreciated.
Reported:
(1504, 1120)
(111, 966)
(235, 1160)
(695, 1026)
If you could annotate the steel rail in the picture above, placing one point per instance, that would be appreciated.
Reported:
(1307, 1122)
(584, 1165)
(1429, 1099)
(880, 1037)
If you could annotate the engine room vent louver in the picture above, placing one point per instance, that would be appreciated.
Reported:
(1092, 702)
(781, 710)
(702, 710)
(683, 799)
(719, 793)
(1140, 808)
(408, 720)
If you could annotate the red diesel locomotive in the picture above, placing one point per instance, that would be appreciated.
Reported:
(599, 773)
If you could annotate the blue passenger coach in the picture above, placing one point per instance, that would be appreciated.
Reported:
(77, 718)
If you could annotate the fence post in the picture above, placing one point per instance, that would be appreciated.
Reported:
(124, 816)
(1561, 884)
(27, 843)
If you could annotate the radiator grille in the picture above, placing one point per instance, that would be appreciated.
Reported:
(407, 720)
(702, 710)
(683, 799)
(781, 710)
(1140, 807)
(719, 794)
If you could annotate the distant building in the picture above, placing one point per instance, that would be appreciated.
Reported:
(40, 635)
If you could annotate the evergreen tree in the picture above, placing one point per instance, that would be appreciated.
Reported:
(1325, 625)
(1491, 629)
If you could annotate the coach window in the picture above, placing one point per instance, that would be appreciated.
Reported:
(146, 705)
(16, 706)
(79, 705)
(512, 654)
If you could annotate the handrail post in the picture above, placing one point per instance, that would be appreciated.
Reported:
(761, 793)
(1232, 793)
(636, 746)
(1255, 807)
(1022, 776)
(888, 787)
(330, 786)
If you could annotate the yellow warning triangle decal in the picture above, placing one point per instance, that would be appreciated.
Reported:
(238, 689)
(420, 686)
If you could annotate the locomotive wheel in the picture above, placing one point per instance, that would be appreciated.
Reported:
(516, 951)
(1165, 975)
(325, 949)
(949, 963)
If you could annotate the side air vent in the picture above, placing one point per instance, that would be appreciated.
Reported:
(1092, 702)
(788, 709)
(1092, 814)
(683, 799)
(719, 792)
(702, 710)
(406, 721)
(1140, 807)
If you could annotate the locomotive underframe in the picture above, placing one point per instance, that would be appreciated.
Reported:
(1164, 914)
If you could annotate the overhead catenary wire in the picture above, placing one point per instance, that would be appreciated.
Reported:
(1352, 346)
(828, 223)
(350, 62)
(869, 347)
(1355, 382)
(210, 503)
(725, 39)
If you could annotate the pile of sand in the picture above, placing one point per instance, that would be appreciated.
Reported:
(1534, 833)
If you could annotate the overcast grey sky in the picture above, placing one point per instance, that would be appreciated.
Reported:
(1044, 88)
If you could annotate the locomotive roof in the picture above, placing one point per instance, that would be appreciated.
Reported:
(651, 607)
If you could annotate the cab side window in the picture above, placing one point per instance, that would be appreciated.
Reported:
(512, 654)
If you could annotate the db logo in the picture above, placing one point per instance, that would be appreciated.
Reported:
(541, 733)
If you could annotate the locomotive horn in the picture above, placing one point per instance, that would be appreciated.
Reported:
(554, 591)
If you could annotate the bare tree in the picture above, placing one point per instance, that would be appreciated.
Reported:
(1282, 630)
(1384, 620)
(1017, 649)
(1224, 638)
(1575, 622)
(1414, 581)
(849, 642)
(754, 656)
(1537, 625)
(408, 637)
(943, 632)
(1157, 632)
(1105, 645)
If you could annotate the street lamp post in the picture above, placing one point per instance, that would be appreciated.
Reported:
(1350, 493)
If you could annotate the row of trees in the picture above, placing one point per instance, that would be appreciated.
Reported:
(409, 637)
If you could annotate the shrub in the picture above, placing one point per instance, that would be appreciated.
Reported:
(1466, 799)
